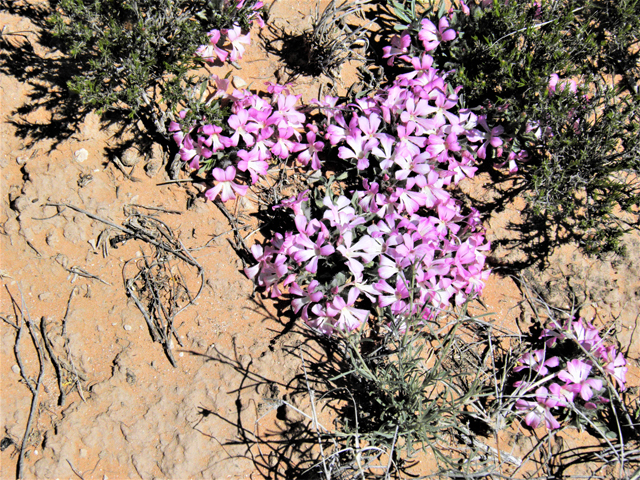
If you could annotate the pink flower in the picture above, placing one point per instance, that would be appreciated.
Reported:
(238, 122)
(540, 409)
(349, 317)
(309, 152)
(238, 41)
(294, 203)
(576, 376)
(432, 36)
(491, 137)
(396, 298)
(399, 46)
(211, 51)
(360, 149)
(308, 296)
(614, 365)
(553, 83)
(587, 335)
(190, 152)
(536, 361)
(253, 162)
(226, 187)
(308, 250)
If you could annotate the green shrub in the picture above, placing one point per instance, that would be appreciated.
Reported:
(136, 54)
(583, 148)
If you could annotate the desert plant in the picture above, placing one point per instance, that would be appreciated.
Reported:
(577, 149)
(332, 40)
(135, 55)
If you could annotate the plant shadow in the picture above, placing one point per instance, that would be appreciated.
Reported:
(34, 58)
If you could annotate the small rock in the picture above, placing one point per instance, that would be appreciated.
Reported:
(16, 369)
(157, 153)
(83, 453)
(21, 160)
(131, 157)
(238, 82)
(127, 328)
(245, 361)
(12, 226)
(44, 296)
(130, 377)
(152, 168)
(81, 155)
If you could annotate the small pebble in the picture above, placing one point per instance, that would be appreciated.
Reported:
(81, 155)
(16, 369)
(127, 327)
(238, 82)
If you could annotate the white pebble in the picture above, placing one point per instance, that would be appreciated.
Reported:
(81, 155)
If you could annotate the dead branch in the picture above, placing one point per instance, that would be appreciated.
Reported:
(53, 357)
(35, 390)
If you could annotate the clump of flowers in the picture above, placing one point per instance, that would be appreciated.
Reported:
(398, 244)
(232, 38)
(568, 374)
(240, 148)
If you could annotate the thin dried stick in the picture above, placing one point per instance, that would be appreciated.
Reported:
(133, 233)
(66, 313)
(54, 359)
(35, 391)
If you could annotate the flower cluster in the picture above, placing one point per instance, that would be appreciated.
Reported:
(400, 243)
(429, 35)
(230, 42)
(258, 131)
(343, 260)
(582, 360)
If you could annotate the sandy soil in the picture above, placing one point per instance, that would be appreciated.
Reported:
(128, 412)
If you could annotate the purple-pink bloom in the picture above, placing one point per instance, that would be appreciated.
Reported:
(491, 137)
(432, 36)
(399, 46)
(294, 203)
(238, 41)
(535, 361)
(540, 409)
(308, 295)
(308, 250)
(226, 187)
(614, 365)
(309, 152)
(211, 51)
(349, 317)
(254, 162)
(576, 376)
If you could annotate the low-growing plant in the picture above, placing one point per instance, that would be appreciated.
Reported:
(401, 235)
(573, 376)
(403, 387)
(576, 149)
(136, 55)
(333, 39)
